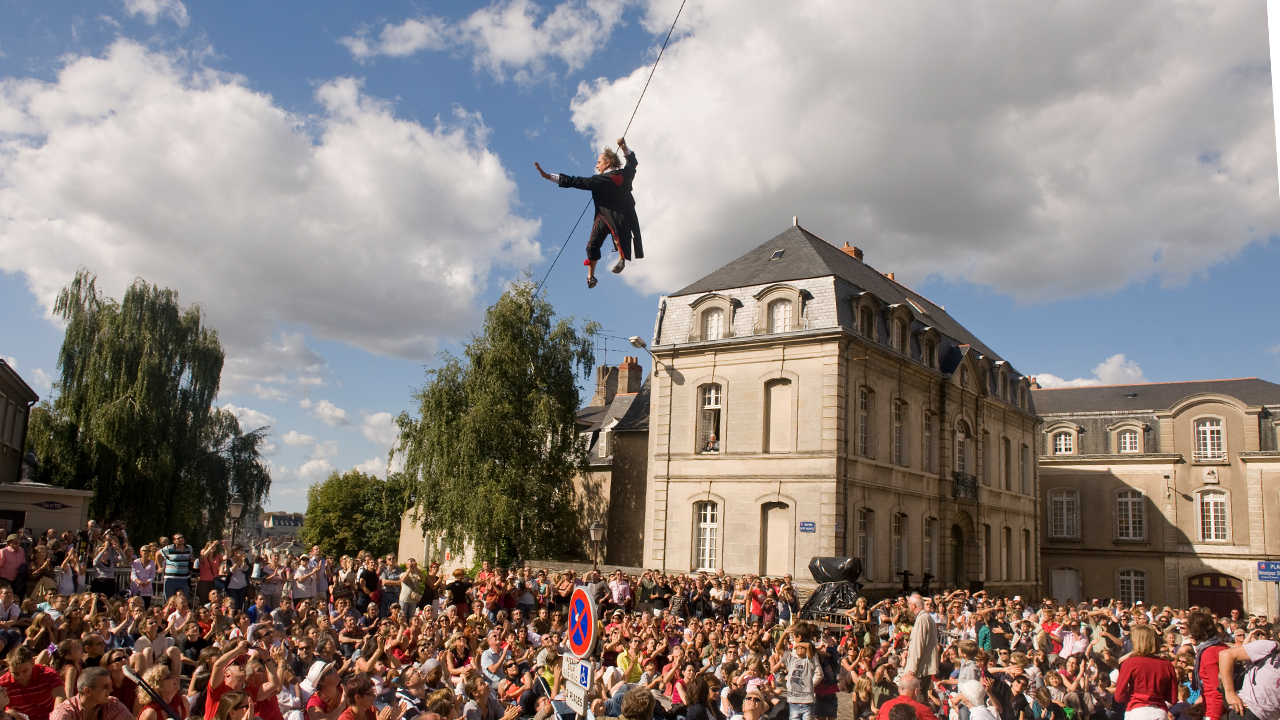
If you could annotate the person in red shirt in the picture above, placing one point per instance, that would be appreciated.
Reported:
(1203, 629)
(34, 690)
(226, 675)
(908, 690)
(329, 701)
(161, 679)
(1147, 685)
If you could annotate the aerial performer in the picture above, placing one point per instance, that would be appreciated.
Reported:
(615, 207)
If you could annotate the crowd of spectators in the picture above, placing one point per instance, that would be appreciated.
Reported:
(223, 635)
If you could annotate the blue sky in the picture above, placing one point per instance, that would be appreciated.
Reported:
(344, 187)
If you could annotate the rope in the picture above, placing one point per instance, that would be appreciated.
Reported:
(538, 288)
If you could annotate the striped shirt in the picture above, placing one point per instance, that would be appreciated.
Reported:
(177, 563)
(35, 699)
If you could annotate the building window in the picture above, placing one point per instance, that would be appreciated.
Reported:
(713, 324)
(1007, 458)
(1062, 513)
(988, 569)
(1004, 386)
(962, 447)
(1133, 586)
(602, 444)
(1213, 516)
(780, 316)
(708, 514)
(1209, 444)
(929, 353)
(899, 549)
(865, 398)
(927, 442)
(777, 416)
(930, 545)
(988, 459)
(899, 432)
(709, 421)
(866, 322)
(1007, 547)
(1024, 470)
(1028, 559)
(1128, 441)
(1130, 515)
(898, 336)
(1063, 443)
(862, 541)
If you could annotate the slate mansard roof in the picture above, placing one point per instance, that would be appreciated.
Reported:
(1150, 396)
(630, 410)
(806, 255)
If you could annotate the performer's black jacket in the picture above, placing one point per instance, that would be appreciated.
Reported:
(611, 192)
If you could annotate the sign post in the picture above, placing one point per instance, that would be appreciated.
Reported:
(580, 637)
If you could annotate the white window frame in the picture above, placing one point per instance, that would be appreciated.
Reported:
(963, 451)
(1213, 515)
(928, 444)
(1064, 514)
(779, 321)
(866, 404)
(1063, 442)
(866, 322)
(898, 550)
(1125, 434)
(1131, 585)
(864, 539)
(1131, 515)
(929, 546)
(1209, 449)
(713, 323)
(710, 399)
(899, 451)
(706, 549)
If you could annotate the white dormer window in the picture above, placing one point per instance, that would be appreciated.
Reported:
(1064, 443)
(780, 316)
(713, 324)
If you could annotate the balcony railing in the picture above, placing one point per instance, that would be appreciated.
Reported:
(965, 486)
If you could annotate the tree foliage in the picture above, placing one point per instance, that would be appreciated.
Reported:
(492, 455)
(133, 418)
(353, 511)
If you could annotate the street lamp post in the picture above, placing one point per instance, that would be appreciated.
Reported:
(235, 508)
(597, 533)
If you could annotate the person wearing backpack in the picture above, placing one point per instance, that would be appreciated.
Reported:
(1257, 694)
(1203, 629)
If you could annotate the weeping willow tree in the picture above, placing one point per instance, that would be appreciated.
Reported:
(133, 418)
(490, 460)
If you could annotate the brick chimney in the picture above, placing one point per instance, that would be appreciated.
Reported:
(1034, 385)
(629, 376)
(852, 251)
(606, 385)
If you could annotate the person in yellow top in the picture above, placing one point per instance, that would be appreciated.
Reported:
(630, 662)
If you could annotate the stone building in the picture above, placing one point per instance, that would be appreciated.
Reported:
(16, 399)
(615, 428)
(805, 404)
(1163, 492)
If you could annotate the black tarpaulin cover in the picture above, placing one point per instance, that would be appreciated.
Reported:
(835, 569)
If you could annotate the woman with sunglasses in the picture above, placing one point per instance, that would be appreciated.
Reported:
(166, 686)
(122, 688)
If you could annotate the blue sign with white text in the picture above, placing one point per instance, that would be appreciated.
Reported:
(807, 526)
(1269, 571)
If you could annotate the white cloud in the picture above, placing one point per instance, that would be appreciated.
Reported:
(249, 419)
(1274, 351)
(13, 361)
(268, 449)
(516, 36)
(151, 10)
(323, 449)
(1115, 370)
(269, 393)
(378, 466)
(328, 413)
(141, 164)
(315, 470)
(1043, 149)
(297, 439)
(42, 379)
(379, 428)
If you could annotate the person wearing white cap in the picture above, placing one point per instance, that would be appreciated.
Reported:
(974, 697)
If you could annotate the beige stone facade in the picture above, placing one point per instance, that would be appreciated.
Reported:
(851, 417)
(1166, 492)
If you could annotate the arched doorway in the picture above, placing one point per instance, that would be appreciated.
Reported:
(1217, 592)
(958, 576)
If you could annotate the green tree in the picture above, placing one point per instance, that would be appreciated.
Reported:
(353, 511)
(133, 418)
(491, 458)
